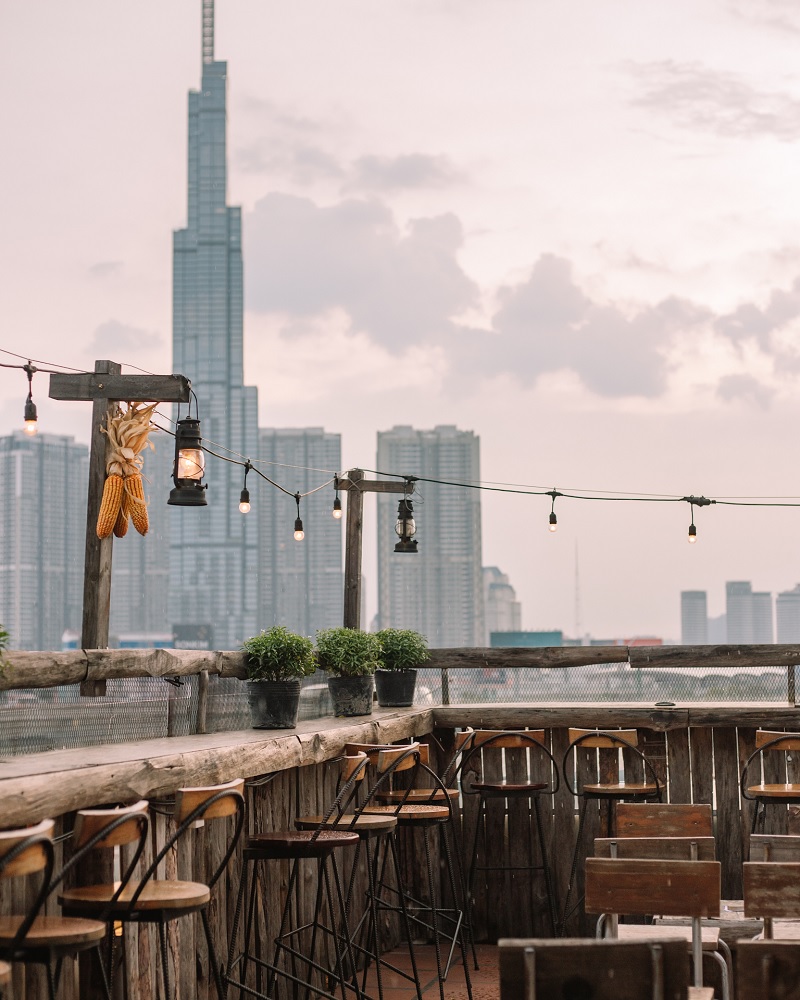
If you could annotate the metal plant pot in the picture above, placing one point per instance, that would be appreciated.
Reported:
(273, 704)
(395, 687)
(351, 695)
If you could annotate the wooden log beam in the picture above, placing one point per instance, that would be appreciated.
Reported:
(534, 657)
(372, 485)
(112, 385)
(713, 657)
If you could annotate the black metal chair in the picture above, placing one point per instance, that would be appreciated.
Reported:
(783, 793)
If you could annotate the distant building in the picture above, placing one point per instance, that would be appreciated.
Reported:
(717, 630)
(43, 484)
(748, 614)
(439, 590)
(213, 553)
(519, 639)
(300, 583)
(694, 618)
(787, 615)
(502, 610)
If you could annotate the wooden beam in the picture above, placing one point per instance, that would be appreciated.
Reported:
(527, 656)
(373, 486)
(352, 552)
(714, 657)
(112, 385)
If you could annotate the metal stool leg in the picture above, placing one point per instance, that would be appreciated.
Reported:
(548, 879)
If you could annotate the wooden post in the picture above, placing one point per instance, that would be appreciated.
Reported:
(352, 556)
(105, 387)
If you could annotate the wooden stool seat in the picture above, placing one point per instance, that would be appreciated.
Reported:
(167, 894)
(700, 993)
(5, 972)
(361, 824)
(411, 812)
(615, 789)
(775, 791)
(287, 844)
(508, 787)
(671, 932)
(54, 932)
(418, 795)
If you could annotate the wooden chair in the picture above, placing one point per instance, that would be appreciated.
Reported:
(595, 970)
(772, 891)
(671, 888)
(767, 969)
(657, 848)
(158, 901)
(476, 748)
(664, 819)
(769, 793)
(774, 847)
(32, 937)
(641, 785)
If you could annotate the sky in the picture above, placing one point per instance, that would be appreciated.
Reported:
(570, 226)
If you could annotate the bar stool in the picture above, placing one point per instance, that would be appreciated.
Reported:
(646, 785)
(430, 809)
(33, 938)
(158, 901)
(318, 844)
(473, 746)
(769, 793)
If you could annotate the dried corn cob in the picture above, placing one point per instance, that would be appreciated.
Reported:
(137, 505)
(121, 524)
(109, 506)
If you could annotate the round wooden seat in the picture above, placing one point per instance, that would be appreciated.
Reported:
(508, 787)
(411, 812)
(167, 894)
(298, 844)
(418, 795)
(617, 789)
(362, 824)
(776, 791)
(54, 932)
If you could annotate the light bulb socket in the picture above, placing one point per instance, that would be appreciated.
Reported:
(692, 533)
(553, 521)
(244, 501)
(337, 508)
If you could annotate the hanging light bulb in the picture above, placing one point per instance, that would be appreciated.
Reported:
(189, 466)
(337, 503)
(553, 526)
(692, 533)
(244, 497)
(553, 520)
(299, 534)
(406, 526)
(31, 424)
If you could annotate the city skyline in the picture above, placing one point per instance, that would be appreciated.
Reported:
(593, 264)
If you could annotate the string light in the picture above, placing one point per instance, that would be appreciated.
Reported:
(553, 520)
(31, 425)
(299, 534)
(695, 502)
(244, 498)
(337, 503)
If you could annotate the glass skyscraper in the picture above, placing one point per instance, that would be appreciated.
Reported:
(213, 550)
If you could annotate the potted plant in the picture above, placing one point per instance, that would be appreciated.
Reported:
(276, 661)
(402, 651)
(349, 656)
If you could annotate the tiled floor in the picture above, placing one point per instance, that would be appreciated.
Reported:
(485, 981)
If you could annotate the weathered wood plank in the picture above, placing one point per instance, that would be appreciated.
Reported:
(711, 657)
(111, 384)
(679, 771)
(545, 656)
(702, 764)
(729, 830)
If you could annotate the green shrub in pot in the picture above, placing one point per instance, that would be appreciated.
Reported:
(276, 661)
(350, 658)
(402, 651)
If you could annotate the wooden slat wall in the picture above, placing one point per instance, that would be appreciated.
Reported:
(698, 764)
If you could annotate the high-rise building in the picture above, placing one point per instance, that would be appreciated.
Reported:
(502, 610)
(787, 615)
(748, 613)
(439, 590)
(694, 618)
(300, 582)
(140, 582)
(43, 483)
(213, 549)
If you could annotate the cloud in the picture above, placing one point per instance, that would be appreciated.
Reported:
(697, 97)
(112, 337)
(751, 321)
(781, 15)
(395, 173)
(745, 387)
(401, 287)
(302, 164)
(105, 268)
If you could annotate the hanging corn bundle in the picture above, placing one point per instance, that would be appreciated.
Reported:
(123, 493)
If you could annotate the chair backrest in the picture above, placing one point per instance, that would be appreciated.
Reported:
(499, 739)
(666, 848)
(767, 969)
(645, 886)
(778, 741)
(124, 825)
(612, 740)
(209, 801)
(774, 847)
(402, 758)
(772, 890)
(473, 745)
(27, 860)
(590, 968)
(664, 819)
(373, 749)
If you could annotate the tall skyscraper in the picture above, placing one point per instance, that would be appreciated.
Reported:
(502, 610)
(787, 615)
(748, 613)
(439, 590)
(43, 482)
(301, 583)
(213, 550)
(694, 618)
